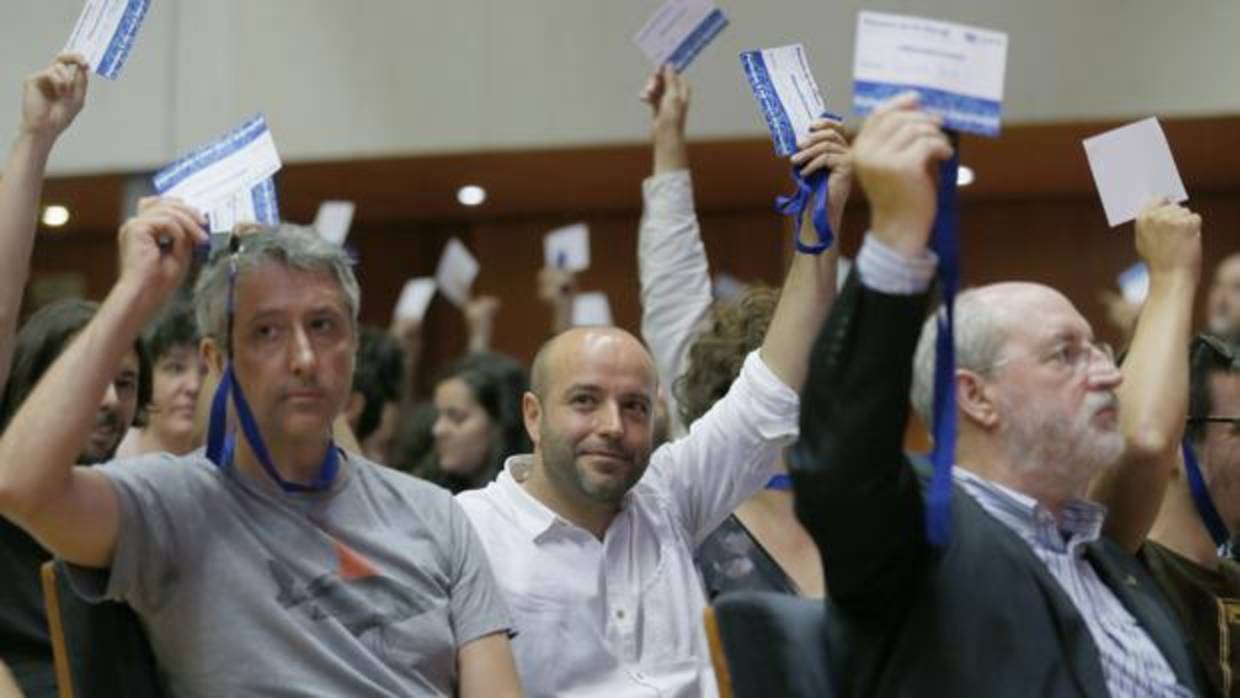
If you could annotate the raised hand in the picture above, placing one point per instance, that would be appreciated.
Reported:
(668, 93)
(156, 248)
(52, 97)
(827, 147)
(1169, 239)
(897, 155)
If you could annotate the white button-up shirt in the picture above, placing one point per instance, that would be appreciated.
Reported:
(623, 616)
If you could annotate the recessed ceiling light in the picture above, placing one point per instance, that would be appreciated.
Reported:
(471, 195)
(964, 176)
(55, 216)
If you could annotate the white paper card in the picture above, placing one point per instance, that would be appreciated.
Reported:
(786, 93)
(105, 33)
(1132, 165)
(415, 298)
(256, 205)
(728, 288)
(212, 175)
(568, 248)
(957, 69)
(1134, 283)
(678, 32)
(591, 309)
(456, 272)
(333, 220)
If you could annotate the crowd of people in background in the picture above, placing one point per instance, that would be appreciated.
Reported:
(243, 492)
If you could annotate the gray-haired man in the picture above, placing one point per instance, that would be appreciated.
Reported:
(286, 566)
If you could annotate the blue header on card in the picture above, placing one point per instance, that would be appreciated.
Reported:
(122, 41)
(697, 40)
(773, 111)
(266, 208)
(959, 112)
(210, 154)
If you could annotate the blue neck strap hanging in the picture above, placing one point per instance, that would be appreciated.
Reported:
(221, 444)
(781, 482)
(1201, 497)
(946, 244)
(809, 190)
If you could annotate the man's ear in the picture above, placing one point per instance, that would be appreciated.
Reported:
(975, 397)
(211, 355)
(531, 413)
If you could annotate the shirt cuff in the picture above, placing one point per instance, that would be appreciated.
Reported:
(775, 408)
(890, 271)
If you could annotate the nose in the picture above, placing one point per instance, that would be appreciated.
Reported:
(193, 381)
(439, 428)
(608, 421)
(302, 358)
(110, 399)
(1103, 373)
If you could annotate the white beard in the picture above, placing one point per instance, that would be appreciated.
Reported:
(1070, 451)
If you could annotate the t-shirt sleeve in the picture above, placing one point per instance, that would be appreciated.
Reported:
(477, 604)
(156, 506)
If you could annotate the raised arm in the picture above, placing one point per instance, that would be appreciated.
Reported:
(809, 288)
(855, 491)
(480, 315)
(1154, 395)
(51, 99)
(73, 511)
(671, 260)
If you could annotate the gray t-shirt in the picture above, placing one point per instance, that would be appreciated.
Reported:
(365, 590)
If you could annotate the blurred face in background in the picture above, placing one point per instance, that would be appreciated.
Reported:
(175, 387)
(463, 431)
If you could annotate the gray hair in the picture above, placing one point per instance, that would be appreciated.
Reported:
(294, 246)
(981, 332)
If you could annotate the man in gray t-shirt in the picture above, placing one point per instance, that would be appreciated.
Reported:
(379, 579)
(272, 563)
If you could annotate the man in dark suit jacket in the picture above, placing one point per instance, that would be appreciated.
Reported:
(1026, 598)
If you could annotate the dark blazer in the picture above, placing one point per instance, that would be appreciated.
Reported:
(982, 617)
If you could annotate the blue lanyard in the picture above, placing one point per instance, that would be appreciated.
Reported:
(1201, 497)
(221, 444)
(812, 188)
(782, 482)
(946, 244)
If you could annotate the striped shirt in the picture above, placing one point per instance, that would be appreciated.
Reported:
(1131, 663)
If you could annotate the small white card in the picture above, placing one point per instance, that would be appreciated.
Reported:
(1134, 283)
(105, 33)
(591, 309)
(1132, 166)
(957, 69)
(415, 298)
(568, 248)
(256, 205)
(456, 272)
(678, 32)
(728, 288)
(786, 93)
(333, 220)
(212, 175)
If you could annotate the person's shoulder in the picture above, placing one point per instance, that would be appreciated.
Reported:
(400, 483)
(163, 468)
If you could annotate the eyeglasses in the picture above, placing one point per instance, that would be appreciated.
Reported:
(1234, 421)
(1077, 357)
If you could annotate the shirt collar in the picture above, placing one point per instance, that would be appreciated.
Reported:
(1081, 524)
(534, 517)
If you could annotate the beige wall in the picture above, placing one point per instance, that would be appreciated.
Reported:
(342, 78)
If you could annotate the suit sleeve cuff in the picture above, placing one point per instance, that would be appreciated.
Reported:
(890, 271)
